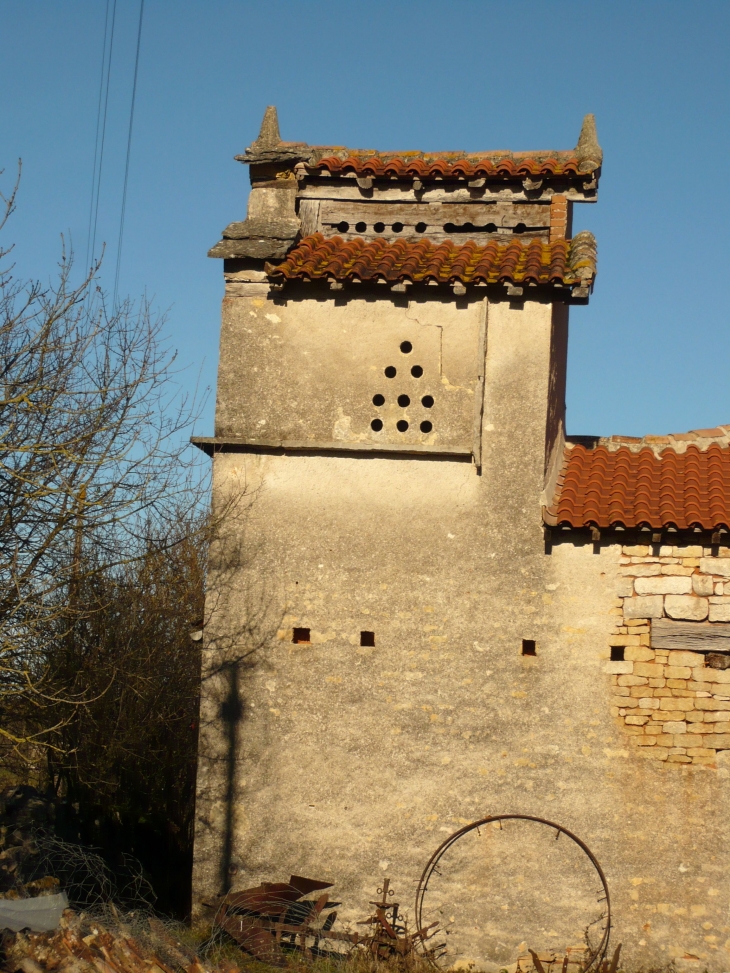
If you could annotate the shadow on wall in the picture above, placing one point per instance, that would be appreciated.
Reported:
(235, 590)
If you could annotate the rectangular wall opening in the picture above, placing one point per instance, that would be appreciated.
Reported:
(529, 647)
(367, 638)
(617, 653)
(300, 635)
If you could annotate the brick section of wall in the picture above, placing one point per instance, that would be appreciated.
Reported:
(674, 707)
(558, 218)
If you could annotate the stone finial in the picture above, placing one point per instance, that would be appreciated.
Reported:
(269, 135)
(269, 147)
(589, 152)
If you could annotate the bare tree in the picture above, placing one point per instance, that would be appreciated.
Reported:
(92, 450)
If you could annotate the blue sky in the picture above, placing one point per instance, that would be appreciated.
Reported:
(651, 352)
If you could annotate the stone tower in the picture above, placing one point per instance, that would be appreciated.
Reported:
(390, 405)
(394, 641)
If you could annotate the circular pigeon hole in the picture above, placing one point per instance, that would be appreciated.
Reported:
(403, 401)
(379, 227)
(401, 425)
(421, 227)
(361, 227)
(378, 399)
(426, 426)
(491, 227)
(520, 228)
(390, 371)
(343, 227)
(397, 228)
(376, 425)
(406, 347)
(427, 401)
(416, 371)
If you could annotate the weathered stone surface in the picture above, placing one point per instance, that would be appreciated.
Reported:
(720, 613)
(689, 551)
(677, 672)
(641, 570)
(646, 607)
(702, 584)
(678, 657)
(674, 703)
(687, 607)
(638, 653)
(663, 585)
(715, 565)
(632, 680)
(263, 249)
(251, 229)
(712, 704)
(648, 669)
(675, 727)
(624, 587)
(619, 668)
(715, 676)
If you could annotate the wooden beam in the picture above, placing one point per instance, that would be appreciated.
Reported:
(690, 636)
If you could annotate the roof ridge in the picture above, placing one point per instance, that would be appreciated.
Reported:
(678, 441)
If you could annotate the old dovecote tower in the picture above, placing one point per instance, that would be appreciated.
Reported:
(407, 623)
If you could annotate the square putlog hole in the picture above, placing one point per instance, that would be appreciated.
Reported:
(367, 638)
(529, 647)
(300, 636)
(617, 653)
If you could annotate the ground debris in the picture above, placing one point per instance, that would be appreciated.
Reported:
(121, 943)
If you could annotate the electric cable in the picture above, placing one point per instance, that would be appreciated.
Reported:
(96, 136)
(129, 150)
(103, 131)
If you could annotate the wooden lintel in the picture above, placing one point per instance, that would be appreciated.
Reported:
(690, 636)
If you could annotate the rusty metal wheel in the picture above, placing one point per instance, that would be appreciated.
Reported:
(513, 888)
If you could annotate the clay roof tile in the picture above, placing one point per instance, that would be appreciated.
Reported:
(519, 261)
(605, 487)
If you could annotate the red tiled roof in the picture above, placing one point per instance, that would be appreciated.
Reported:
(605, 488)
(565, 262)
(448, 164)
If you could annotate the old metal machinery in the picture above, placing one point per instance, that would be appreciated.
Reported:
(514, 888)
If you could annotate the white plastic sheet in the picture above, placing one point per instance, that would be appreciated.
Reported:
(39, 915)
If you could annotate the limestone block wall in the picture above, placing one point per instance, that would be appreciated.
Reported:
(672, 704)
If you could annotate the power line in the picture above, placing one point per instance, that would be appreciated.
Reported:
(129, 150)
(95, 202)
(96, 136)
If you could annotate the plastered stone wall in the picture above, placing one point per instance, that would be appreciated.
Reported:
(305, 371)
(673, 706)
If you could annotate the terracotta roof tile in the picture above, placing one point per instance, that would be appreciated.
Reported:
(446, 165)
(564, 262)
(607, 488)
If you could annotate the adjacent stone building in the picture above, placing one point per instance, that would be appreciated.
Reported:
(428, 604)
